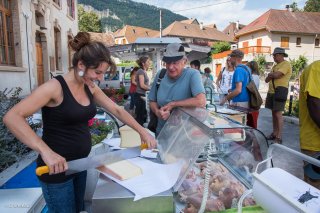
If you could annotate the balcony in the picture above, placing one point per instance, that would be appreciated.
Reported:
(246, 50)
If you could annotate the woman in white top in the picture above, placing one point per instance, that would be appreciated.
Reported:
(224, 80)
(252, 118)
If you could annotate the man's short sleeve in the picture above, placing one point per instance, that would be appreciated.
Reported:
(196, 84)
(284, 68)
(238, 75)
(313, 81)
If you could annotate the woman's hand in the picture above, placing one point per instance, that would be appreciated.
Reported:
(148, 139)
(55, 162)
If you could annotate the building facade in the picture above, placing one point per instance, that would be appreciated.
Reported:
(34, 41)
(297, 32)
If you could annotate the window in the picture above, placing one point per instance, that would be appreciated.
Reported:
(6, 34)
(317, 42)
(71, 8)
(70, 53)
(57, 48)
(298, 43)
(285, 42)
(57, 2)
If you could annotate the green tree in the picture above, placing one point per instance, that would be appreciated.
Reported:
(261, 61)
(220, 46)
(294, 7)
(88, 21)
(297, 66)
(312, 6)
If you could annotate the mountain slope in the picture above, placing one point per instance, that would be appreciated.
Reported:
(122, 12)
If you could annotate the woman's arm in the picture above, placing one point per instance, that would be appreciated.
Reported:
(15, 120)
(142, 85)
(219, 79)
(133, 80)
(102, 100)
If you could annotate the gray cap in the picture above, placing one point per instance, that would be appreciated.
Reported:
(279, 50)
(173, 52)
(236, 53)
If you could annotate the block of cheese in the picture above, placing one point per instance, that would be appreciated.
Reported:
(121, 170)
(129, 137)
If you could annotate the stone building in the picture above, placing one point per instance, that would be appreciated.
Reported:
(34, 38)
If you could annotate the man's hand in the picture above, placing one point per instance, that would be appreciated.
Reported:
(164, 113)
(223, 101)
(168, 107)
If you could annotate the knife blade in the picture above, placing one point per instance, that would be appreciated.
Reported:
(83, 164)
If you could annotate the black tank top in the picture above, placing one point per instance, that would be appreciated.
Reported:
(65, 129)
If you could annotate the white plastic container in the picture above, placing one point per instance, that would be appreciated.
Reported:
(278, 191)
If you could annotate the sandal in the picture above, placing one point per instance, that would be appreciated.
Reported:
(278, 140)
(271, 137)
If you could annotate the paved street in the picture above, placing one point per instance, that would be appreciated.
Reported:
(290, 139)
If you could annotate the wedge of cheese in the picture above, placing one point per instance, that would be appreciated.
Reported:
(121, 170)
(129, 137)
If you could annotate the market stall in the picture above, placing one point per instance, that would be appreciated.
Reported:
(220, 163)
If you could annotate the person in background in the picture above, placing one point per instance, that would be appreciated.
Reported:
(224, 80)
(195, 64)
(252, 117)
(132, 89)
(241, 77)
(207, 80)
(180, 87)
(142, 80)
(68, 102)
(207, 74)
(309, 119)
(279, 76)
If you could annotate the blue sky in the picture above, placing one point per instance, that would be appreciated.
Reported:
(221, 12)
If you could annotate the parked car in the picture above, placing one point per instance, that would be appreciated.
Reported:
(121, 77)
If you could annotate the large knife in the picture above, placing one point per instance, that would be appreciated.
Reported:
(83, 164)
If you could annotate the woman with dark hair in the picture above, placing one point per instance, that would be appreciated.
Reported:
(224, 79)
(68, 102)
(142, 80)
(132, 90)
(252, 118)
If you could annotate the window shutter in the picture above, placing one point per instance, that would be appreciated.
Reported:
(285, 42)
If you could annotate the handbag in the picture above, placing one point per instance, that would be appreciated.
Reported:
(255, 97)
(280, 93)
(152, 125)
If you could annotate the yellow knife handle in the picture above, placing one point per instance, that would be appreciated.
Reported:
(144, 146)
(42, 170)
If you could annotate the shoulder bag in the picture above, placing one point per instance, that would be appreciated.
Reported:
(152, 126)
(255, 97)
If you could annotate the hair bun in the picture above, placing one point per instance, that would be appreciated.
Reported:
(79, 41)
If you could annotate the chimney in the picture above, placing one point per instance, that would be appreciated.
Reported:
(237, 25)
(201, 25)
(288, 7)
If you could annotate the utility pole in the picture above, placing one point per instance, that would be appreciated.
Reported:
(160, 23)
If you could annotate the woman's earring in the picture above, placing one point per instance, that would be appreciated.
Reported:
(80, 73)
